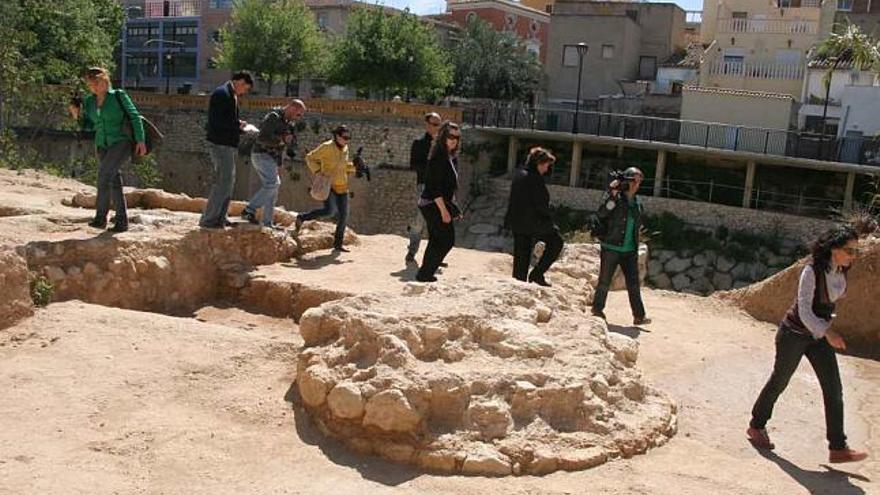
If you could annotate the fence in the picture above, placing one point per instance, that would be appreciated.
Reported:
(795, 144)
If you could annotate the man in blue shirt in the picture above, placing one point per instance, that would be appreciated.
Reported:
(621, 213)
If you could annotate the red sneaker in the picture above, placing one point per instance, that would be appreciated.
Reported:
(846, 455)
(760, 439)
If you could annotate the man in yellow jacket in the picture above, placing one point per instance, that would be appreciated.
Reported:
(330, 158)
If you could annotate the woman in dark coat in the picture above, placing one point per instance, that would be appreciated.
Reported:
(437, 203)
(529, 218)
(806, 330)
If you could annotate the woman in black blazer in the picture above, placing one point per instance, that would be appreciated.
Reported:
(437, 203)
(528, 216)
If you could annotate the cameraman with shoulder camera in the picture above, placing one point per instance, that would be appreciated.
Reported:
(275, 135)
(620, 216)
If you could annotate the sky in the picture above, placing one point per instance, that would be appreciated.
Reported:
(423, 7)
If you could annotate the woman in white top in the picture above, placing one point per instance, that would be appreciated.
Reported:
(806, 331)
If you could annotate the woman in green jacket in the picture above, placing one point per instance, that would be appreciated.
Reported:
(105, 112)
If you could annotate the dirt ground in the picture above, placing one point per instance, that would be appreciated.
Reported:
(102, 400)
(99, 400)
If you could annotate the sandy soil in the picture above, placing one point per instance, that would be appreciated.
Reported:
(102, 400)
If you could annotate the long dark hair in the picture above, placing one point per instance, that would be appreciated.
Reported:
(834, 238)
(537, 156)
(438, 147)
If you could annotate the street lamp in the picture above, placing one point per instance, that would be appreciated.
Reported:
(581, 50)
(168, 61)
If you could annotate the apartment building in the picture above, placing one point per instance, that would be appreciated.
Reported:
(864, 13)
(756, 45)
(626, 42)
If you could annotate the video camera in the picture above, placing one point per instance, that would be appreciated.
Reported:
(360, 166)
(622, 177)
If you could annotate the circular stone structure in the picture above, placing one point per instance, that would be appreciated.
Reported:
(486, 377)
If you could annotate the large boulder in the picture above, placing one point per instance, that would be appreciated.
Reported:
(489, 377)
(16, 303)
(581, 261)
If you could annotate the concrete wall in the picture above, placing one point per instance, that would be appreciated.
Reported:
(657, 30)
(861, 106)
(737, 107)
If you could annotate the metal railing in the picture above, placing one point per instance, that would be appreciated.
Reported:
(709, 135)
(756, 70)
(172, 8)
(769, 26)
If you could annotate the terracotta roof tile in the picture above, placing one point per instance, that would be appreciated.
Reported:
(738, 92)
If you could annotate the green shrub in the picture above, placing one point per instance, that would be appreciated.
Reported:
(41, 290)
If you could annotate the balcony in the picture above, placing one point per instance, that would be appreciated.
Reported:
(756, 70)
(171, 8)
(768, 26)
(693, 17)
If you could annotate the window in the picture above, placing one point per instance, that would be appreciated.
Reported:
(548, 8)
(740, 22)
(181, 65)
(220, 4)
(607, 51)
(569, 56)
(215, 36)
(845, 5)
(184, 32)
(471, 17)
(142, 65)
(211, 64)
(137, 34)
(647, 68)
(322, 21)
(782, 4)
(633, 14)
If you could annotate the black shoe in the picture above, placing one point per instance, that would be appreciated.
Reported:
(425, 278)
(98, 225)
(249, 216)
(227, 223)
(599, 313)
(119, 227)
(444, 265)
(539, 279)
(641, 320)
(341, 249)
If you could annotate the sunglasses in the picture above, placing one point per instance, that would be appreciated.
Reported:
(454, 137)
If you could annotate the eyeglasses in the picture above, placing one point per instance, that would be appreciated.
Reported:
(454, 137)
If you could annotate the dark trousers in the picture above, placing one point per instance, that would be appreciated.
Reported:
(524, 244)
(441, 238)
(629, 264)
(336, 205)
(110, 182)
(790, 347)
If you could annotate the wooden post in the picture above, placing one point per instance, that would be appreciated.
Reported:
(848, 194)
(750, 184)
(659, 173)
(575, 173)
(512, 150)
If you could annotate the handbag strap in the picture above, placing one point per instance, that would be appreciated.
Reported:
(124, 111)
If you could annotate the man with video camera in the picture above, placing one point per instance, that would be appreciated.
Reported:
(618, 220)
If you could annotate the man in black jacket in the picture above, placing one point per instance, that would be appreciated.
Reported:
(418, 161)
(224, 129)
(620, 211)
(529, 218)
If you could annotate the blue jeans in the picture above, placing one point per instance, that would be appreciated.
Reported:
(267, 168)
(416, 225)
(223, 158)
(335, 204)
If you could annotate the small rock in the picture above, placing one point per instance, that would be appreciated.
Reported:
(487, 461)
(391, 411)
(681, 281)
(346, 401)
(662, 281)
(700, 260)
(722, 281)
(724, 264)
(677, 265)
(655, 267)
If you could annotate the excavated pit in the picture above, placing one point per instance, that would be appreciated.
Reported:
(479, 375)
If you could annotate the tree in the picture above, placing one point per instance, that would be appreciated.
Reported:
(384, 51)
(273, 38)
(847, 43)
(51, 43)
(492, 64)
